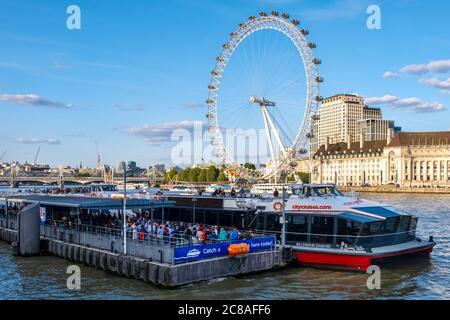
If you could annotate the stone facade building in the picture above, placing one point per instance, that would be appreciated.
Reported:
(408, 159)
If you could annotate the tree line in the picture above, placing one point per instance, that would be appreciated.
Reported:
(210, 174)
(214, 174)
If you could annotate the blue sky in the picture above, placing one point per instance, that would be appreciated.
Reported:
(134, 72)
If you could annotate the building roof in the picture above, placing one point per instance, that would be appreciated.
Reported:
(372, 108)
(82, 202)
(421, 139)
(368, 146)
(343, 95)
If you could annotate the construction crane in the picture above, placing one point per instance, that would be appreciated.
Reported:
(37, 153)
(98, 155)
(3, 155)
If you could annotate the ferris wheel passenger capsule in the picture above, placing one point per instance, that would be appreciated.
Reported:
(295, 22)
(274, 13)
(304, 32)
(312, 45)
(263, 14)
(285, 16)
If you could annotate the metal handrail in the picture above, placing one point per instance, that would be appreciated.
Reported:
(177, 240)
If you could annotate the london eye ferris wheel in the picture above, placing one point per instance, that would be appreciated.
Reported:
(265, 79)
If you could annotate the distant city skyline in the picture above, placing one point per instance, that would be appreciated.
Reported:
(134, 73)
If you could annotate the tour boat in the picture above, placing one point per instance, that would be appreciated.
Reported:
(269, 188)
(183, 189)
(325, 228)
(227, 189)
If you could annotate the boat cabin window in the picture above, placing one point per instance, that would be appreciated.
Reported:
(273, 222)
(109, 188)
(335, 230)
(347, 231)
(297, 228)
(322, 229)
(326, 191)
(388, 232)
(301, 192)
(268, 222)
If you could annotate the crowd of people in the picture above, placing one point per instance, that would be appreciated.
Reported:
(141, 227)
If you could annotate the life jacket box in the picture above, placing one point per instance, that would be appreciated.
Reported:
(238, 249)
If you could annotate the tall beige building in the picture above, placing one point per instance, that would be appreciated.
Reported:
(338, 119)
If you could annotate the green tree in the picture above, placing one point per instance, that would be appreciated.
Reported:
(304, 176)
(202, 176)
(193, 175)
(169, 175)
(82, 174)
(221, 177)
(249, 165)
(211, 174)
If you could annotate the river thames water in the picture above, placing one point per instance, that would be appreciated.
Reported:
(45, 277)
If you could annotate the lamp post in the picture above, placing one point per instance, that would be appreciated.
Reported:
(124, 210)
(194, 201)
(283, 217)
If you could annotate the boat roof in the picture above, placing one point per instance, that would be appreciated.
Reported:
(357, 217)
(378, 211)
(82, 202)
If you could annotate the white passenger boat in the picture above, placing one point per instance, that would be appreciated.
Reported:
(269, 188)
(326, 228)
(226, 188)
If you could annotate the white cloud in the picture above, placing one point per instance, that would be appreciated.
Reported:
(134, 107)
(381, 100)
(390, 74)
(412, 103)
(439, 66)
(435, 83)
(195, 105)
(342, 9)
(33, 100)
(163, 132)
(37, 141)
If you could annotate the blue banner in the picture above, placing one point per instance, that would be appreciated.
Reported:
(207, 251)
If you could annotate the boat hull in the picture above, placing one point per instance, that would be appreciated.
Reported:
(354, 261)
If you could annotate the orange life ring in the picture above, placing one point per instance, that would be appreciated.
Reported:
(278, 206)
(238, 249)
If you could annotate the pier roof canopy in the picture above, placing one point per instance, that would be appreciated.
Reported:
(88, 202)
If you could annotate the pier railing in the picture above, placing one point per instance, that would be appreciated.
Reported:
(139, 244)
(108, 239)
(8, 221)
